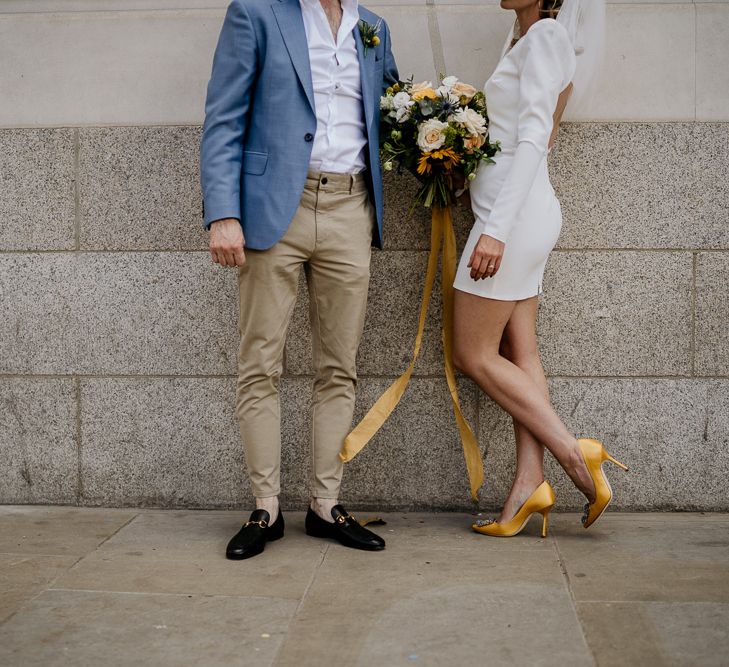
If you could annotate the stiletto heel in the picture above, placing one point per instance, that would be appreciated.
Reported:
(595, 454)
(540, 502)
(545, 521)
(615, 461)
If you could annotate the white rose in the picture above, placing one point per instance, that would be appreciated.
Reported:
(431, 135)
(449, 82)
(472, 121)
(401, 100)
(402, 114)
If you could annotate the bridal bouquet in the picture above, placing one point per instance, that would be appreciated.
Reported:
(438, 133)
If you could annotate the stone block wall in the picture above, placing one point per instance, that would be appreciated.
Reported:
(118, 335)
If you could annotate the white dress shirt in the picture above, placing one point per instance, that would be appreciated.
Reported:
(340, 139)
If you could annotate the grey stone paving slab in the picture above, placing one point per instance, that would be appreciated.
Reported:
(59, 531)
(184, 553)
(444, 530)
(391, 323)
(161, 442)
(367, 591)
(126, 313)
(91, 628)
(414, 461)
(24, 576)
(37, 189)
(712, 314)
(38, 441)
(642, 185)
(139, 188)
(526, 625)
(656, 633)
(617, 313)
(670, 432)
(661, 558)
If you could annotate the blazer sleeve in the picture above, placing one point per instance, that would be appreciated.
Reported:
(227, 105)
(391, 75)
(546, 68)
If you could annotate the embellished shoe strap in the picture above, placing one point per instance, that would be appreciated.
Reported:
(262, 523)
(485, 522)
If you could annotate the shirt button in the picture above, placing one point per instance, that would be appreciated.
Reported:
(324, 180)
(308, 136)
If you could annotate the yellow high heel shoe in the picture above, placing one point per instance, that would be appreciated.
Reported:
(595, 455)
(540, 502)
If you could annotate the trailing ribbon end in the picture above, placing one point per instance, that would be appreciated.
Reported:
(441, 234)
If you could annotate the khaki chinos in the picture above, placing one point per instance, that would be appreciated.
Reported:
(330, 236)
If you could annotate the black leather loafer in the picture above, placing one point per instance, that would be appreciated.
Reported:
(345, 530)
(251, 539)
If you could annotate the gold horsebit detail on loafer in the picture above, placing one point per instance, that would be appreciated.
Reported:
(262, 523)
(343, 517)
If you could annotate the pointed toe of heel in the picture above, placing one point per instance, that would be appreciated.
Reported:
(595, 454)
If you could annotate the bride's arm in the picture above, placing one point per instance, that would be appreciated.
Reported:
(545, 70)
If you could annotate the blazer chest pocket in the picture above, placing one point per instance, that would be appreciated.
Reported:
(254, 162)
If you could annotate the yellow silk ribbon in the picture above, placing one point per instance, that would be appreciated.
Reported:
(441, 234)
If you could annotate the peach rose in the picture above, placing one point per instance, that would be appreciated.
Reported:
(463, 90)
(473, 142)
(431, 135)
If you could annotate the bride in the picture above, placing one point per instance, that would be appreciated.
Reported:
(548, 63)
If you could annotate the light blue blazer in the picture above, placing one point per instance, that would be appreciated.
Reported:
(260, 122)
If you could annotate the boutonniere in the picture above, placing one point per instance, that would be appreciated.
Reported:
(369, 34)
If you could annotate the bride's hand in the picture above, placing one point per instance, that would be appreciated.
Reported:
(486, 257)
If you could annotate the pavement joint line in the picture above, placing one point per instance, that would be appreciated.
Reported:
(570, 593)
(32, 598)
(310, 583)
(108, 537)
(63, 589)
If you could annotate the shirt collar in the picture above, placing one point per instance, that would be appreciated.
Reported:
(348, 6)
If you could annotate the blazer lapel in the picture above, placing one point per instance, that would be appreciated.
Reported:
(291, 24)
(366, 63)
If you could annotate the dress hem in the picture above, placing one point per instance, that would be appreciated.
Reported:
(498, 298)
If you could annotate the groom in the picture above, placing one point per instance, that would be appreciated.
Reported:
(291, 178)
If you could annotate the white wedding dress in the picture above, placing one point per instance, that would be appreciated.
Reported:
(513, 199)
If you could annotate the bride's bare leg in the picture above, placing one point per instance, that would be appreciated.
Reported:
(519, 346)
(479, 324)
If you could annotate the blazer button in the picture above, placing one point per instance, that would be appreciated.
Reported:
(308, 136)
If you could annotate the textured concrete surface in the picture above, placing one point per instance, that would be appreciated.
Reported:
(154, 586)
(38, 440)
(678, 201)
(124, 313)
(139, 189)
(617, 313)
(160, 442)
(37, 189)
(117, 356)
(712, 314)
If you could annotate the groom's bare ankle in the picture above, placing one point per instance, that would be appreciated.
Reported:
(269, 504)
(322, 507)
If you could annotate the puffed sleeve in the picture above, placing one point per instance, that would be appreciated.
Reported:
(547, 65)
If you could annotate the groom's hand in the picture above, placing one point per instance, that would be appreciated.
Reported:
(486, 257)
(227, 242)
